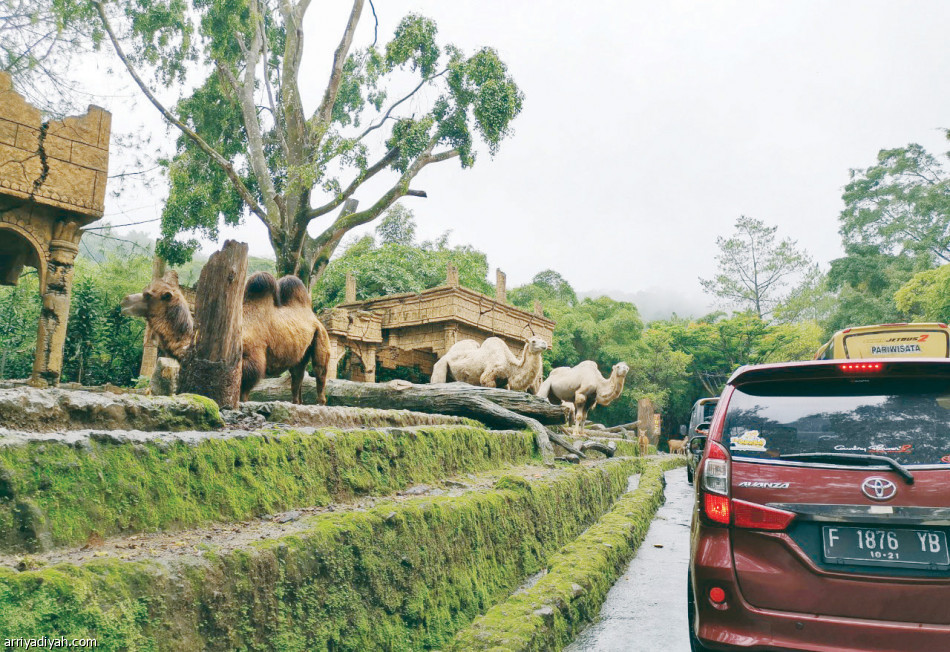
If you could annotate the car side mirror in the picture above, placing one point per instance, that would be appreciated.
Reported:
(703, 428)
(697, 444)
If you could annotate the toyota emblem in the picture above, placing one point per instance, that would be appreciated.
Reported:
(879, 488)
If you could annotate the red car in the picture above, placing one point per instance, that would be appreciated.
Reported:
(823, 510)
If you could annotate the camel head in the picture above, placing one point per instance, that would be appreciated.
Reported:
(621, 369)
(150, 300)
(536, 345)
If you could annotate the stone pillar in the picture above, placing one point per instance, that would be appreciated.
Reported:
(364, 370)
(452, 276)
(54, 315)
(336, 352)
(501, 292)
(350, 291)
(150, 349)
(538, 308)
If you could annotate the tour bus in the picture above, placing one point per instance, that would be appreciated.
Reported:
(904, 340)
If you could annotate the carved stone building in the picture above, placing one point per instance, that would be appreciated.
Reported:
(416, 329)
(52, 183)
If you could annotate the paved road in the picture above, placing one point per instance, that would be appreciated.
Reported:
(646, 609)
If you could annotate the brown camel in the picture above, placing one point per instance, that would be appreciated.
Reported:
(280, 331)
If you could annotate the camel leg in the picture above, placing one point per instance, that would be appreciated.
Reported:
(580, 412)
(252, 370)
(489, 377)
(440, 371)
(320, 355)
(296, 381)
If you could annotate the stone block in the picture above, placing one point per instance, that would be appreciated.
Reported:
(57, 148)
(83, 128)
(8, 131)
(13, 106)
(90, 157)
(27, 138)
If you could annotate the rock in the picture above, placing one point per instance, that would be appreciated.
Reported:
(57, 410)
(164, 380)
(32, 526)
(418, 490)
(288, 517)
(545, 612)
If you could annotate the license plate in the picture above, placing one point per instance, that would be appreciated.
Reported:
(872, 546)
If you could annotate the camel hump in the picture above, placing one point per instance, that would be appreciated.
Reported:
(293, 292)
(261, 285)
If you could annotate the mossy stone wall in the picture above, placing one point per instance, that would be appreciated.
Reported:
(401, 576)
(550, 614)
(54, 494)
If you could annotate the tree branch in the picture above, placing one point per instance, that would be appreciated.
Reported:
(374, 169)
(222, 162)
(325, 111)
(397, 103)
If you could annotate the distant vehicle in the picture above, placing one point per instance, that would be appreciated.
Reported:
(901, 340)
(702, 414)
(821, 519)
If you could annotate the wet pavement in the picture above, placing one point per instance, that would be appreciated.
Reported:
(646, 609)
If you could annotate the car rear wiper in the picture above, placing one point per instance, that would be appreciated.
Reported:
(844, 458)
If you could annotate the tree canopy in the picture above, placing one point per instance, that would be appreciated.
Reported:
(754, 269)
(900, 206)
(248, 144)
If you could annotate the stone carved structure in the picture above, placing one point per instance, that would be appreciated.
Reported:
(416, 329)
(52, 183)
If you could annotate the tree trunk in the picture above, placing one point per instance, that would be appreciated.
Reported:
(212, 366)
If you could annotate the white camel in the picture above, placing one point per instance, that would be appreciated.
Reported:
(491, 361)
(584, 387)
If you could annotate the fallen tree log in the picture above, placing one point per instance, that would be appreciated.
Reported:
(496, 408)
(411, 397)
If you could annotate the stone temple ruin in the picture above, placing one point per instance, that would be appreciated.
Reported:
(52, 183)
(416, 329)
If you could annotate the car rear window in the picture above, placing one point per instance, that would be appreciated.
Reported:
(708, 410)
(908, 420)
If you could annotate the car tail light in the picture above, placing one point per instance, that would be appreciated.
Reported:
(717, 595)
(760, 517)
(861, 367)
(717, 508)
(716, 471)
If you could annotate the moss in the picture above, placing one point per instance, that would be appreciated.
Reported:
(550, 614)
(106, 487)
(402, 576)
(209, 416)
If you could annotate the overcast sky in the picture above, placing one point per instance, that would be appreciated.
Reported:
(649, 127)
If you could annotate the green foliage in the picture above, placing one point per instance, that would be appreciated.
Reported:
(865, 280)
(753, 269)
(400, 576)
(718, 345)
(398, 264)
(900, 206)
(19, 314)
(102, 345)
(926, 297)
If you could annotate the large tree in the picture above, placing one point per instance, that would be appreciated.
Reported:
(901, 205)
(754, 269)
(249, 145)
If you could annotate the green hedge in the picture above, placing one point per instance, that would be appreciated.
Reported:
(401, 576)
(551, 613)
(58, 494)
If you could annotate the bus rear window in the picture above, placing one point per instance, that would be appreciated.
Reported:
(906, 420)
